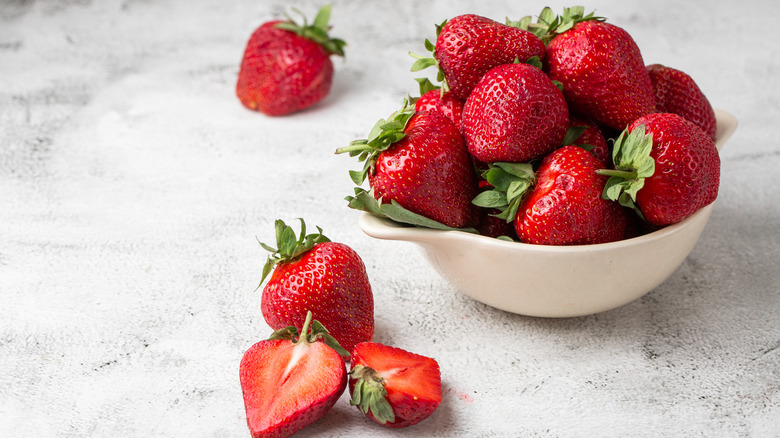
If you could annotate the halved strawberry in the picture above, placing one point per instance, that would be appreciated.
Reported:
(394, 387)
(291, 380)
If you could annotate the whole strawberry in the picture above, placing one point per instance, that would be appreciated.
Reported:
(419, 170)
(394, 387)
(560, 203)
(292, 379)
(515, 113)
(601, 70)
(311, 273)
(676, 92)
(469, 45)
(286, 66)
(666, 168)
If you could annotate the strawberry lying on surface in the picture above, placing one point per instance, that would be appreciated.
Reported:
(394, 387)
(419, 171)
(292, 379)
(514, 113)
(286, 66)
(311, 273)
(676, 92)
(666, 168)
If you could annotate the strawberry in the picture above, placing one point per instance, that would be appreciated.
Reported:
(286, 66)
(419, 170)
(311, 273)
(560, 203)
(600, 67)
(676, 92)
(585, 133)
(433, 98)
(515, 113)
(393, 387)
(291, 380)
(666, 168)
(469, 45)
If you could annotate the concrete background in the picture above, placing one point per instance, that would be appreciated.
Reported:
(133, 186)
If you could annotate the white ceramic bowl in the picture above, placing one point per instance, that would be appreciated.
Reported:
(555, 281)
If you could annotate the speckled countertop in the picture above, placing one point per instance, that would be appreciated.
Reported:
(133, 186)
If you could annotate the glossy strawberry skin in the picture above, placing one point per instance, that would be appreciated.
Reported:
(565, 206)
(412, 381)
(446, 103)
(687, 169)
(330, 280)
(515, 114)
(429, 172)
(676, 92)
(602, 73)
(469, 45)
(282, 72)
(278, 406)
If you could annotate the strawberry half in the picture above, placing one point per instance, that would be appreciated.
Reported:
(311, 273)
(286, 66)
(394, 387)
(291, 380)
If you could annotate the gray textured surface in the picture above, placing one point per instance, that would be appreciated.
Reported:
(133, 185)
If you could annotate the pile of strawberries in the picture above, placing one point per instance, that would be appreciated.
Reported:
(549, 132)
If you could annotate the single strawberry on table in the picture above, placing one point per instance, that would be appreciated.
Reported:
(311, 273)
(419, 171)
(558, 204)
(469, 45)
(291, 379)
(392, 386)
(515, 113)
(599, 66)
(676, 92)
(286, 66)
(666, 168)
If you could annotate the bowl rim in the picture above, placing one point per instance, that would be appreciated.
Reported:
(387, 229)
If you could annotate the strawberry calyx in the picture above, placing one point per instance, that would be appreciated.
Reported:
(548, 24)
(312, 331)
(288, 246)
(317, 31)
(422, 61)
(370, 395)
(633, 163)
(510, 182)
(384, 134)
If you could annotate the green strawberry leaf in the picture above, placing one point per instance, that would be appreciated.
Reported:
(633, 163)
(317, 31)
(288, 246)
(572, 134)
(511, 182)
(370, 395)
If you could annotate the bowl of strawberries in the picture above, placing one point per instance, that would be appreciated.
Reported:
(552, 173)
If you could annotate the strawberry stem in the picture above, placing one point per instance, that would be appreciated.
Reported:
(624, 174)
(305, 328)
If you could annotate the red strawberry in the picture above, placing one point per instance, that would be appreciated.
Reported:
(433, 98)
(291, 380)
(666, 167)
(394, 387)
(676, 92)
(419, 170)
(314, 274)
(563, 205)
(585, 133)
(515, 113)
(601, 70)
(286, 66)
(467, 46)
